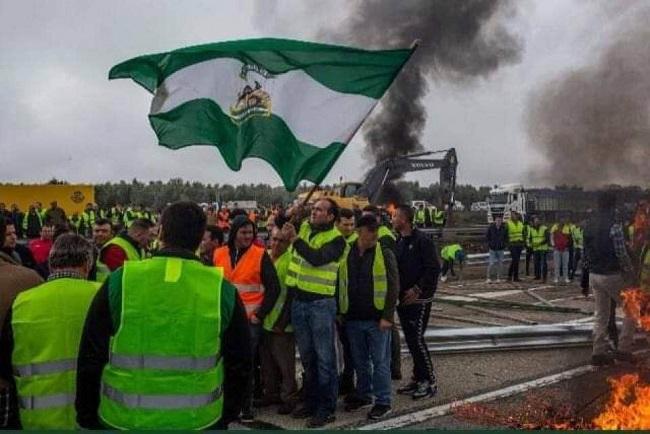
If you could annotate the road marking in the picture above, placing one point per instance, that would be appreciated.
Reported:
(442, 410)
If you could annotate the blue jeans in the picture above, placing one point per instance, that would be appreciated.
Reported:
(369, 344)
(314, 328)
(496, 257)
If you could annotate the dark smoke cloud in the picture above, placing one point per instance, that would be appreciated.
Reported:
(592, 125)
(460, 41)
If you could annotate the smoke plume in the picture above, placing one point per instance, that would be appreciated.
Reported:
(592, 125)
(460, 40)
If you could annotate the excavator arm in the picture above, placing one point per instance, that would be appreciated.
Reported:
(394, 168)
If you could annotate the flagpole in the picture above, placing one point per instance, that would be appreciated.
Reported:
(311, 192)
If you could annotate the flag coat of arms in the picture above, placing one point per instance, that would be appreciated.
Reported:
(291, 103)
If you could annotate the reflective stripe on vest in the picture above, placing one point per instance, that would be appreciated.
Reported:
(155, 402)
(44, 368)
(246, 276)
(47, 323)
(154, 381)
(379, 281)
(46, 401)
(515, 231)
(161, 362)
(281, 267)
(301, 274)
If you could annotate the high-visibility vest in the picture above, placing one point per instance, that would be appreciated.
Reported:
(383, 231)
(76, 223)
(577, 235)
(281, 267)
(438, 216)
(116, 216)
(644, 275)
(515, 231)
(165, 369)
(448, 253)
(379, 281)
(419, 216)
(89, 218)
(246, 276)
(309, 278)
(352, 237)
(132, 254)
(537, 238)
(566, 229)
(26, 220)
(47, 323)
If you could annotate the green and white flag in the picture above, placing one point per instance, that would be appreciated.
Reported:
(293, 104)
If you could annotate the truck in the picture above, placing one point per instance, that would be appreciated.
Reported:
(71, 197)
(551, 203)
(377, 180)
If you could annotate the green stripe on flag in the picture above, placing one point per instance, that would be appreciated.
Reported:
(343, 69)
(202, 122)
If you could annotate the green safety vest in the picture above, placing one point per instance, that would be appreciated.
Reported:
(116, 215)
(577, 234)
(88, 217)
(438, 216)
(132, 254)
(448, 253)
(515, 231)
(308, 278)
(537, 238)
(75, 223)
(352, 237)
(165, 369)
(281, 267)
(47, 323)
(566, 229)
(379, 282)
(26, 220)
(383, 231)
(419, 216)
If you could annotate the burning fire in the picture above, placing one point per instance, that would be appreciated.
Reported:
(628, 406)
(636, 304)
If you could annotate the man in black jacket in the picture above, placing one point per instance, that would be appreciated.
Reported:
(182, 227)
(497, 238)
(419, 268)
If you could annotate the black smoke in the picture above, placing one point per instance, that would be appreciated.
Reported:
(460, 40)
(592, 125)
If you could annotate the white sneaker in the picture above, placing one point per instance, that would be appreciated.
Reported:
(499, 280)
(556, 281)
(488, 281)
(443, 278)
(567, 281)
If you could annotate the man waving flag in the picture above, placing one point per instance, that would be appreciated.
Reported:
(293, 104)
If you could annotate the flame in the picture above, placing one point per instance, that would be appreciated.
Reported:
(636, 304)
(628, 406)
(391, 209)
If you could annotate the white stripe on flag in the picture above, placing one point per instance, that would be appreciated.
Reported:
(316, 114)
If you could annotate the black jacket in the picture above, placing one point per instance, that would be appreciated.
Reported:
(419, 264)
(599, 247)
(94, 352)
(497, 238)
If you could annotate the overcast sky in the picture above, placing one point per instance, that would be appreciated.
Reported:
(61, 117)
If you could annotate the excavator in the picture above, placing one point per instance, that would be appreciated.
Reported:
(371, 190)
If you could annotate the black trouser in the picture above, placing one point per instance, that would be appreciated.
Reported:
(447, 265)
(584, 281)
(346, 380)
(540, 265)
(515, 256)
(575, 259)
(395, 352)
(414, 319)
(572, 263)
(529, 255)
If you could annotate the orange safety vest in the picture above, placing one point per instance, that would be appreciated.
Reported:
(246, 276)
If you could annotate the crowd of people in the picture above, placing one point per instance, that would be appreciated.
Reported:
(171, 322)
(191, 318)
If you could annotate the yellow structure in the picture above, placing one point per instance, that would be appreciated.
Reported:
(71, 198)
(345, 195)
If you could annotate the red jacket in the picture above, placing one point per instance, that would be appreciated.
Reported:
(40, 249)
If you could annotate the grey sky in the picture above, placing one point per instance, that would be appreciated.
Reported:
(61, 117)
